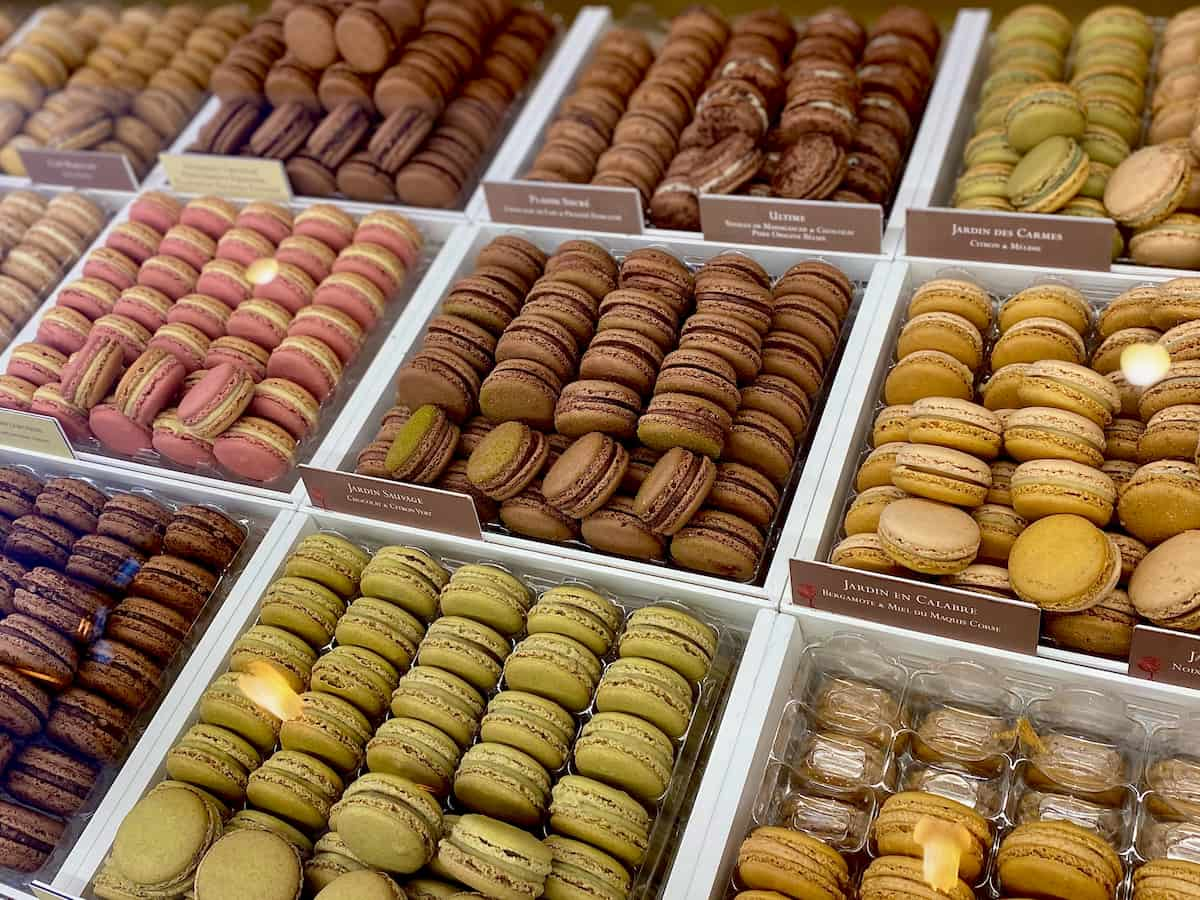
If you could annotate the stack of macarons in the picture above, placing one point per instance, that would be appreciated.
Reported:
(380, 102)
(604, 386)
(122, 83)
(1051, 479)
(166, 344)
(423, 696)
(98, 594)
(40, 239)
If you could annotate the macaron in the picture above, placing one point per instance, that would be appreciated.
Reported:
(1064, 563)
(574, 810)
(388, 822)
(416, 750)
(357, 675)
(493, 857)
(927, 536)
(555, 667)
(441, 699)
(578, 612)
(329, 728)
(487, 594)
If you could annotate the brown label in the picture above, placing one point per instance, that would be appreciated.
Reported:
(809, 224)
(392, 501)
(553, 205)
(80, 169)
(1172, 657)
(1070, 242)
(917, 606)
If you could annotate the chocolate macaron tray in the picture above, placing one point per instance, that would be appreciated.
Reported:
(435, 695)
(1068, 120)
(119, 83)
(399, 103)
(1052, 785)
(189, 309)
(663, 359)
(1029, 429)
(107, 582)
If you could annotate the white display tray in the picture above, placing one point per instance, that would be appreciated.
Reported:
(265, 519)
(960, 47)
(750, 623)
(862, 385)
(440, 233)
(362, 416)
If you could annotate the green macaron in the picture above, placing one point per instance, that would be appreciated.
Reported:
(362, 885)
(990, 146)
(303, 607)
(579, 871)
(261, 821)
(555, 667)
(224, 703)
(1041, 111)
(1035, 22)
(627, 752)
(296, 787)
(147, 853)
(538, 726)
(502, 782)
(643, 687)
(600, 815)
(578, 612)
(1048, 176)
(495, 858)
(441, 699)
(329, 728)
(415, 750)
(331, 860)
(1104, 145)
(487, 594)
(388, 822)
(430, 889)
(357, 675)
(249, 863)
(215, 759)
(290, 656)
(466, 647)
(983, 180)
(406, 576)
(672, 637)
(328, 559)
(383, 627)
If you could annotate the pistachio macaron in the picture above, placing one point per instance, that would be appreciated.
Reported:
(578, 612)
(555, 667)
(487, 594)
(539, 727)
(328, 559)
(406, 576)
(671, 636)
(329, 728)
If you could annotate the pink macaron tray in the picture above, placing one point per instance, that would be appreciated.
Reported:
(935, 229)
(261, 520)
(360, 421)
(352, 338)
(817, 590)
(510, 197)
(549, 70)
(743, 630)
(769, 783)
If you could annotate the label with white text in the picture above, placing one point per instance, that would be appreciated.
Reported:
(414, 505)
(553, 205)
(778, 222)
(1159, 654)
(39, 434)
(917, 606)
(1071, 242)
(79, 169)
(242, 177)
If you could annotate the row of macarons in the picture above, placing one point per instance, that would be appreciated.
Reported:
(438, 707)
(573, 343)
(165, 342)
(40, 239)
(99, 593)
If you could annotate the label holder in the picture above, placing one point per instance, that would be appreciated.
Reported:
(1165, 656)
(79, 169)
(1020, 239)
(244, 177)
(588, 207)
(32, 432)
(781, 222)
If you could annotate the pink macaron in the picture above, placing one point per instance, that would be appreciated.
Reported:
(354, 295)
(291, 288)
(264, 322)
(36, 363)
(378, 265)
(112, 266)
(308, 362)
(272, 221)
(392, 231)
(207, 314)
(287, 405)
(18, 394)
(137, 241)
(145, 305)
(336, 329)
(117, 431)
(91, 373)
(244, 354)
(185, 342)
(332, 226)
(158, 210)
(149, 385)
(243, 246)
(255, 449)
(225, 280)
(89, 296)
(212, 215)
(216, 401)
(179, 445)
(63, 329)
(308, 254)
(172, 276)
(128, 334)
(48, 400)
(189, 244)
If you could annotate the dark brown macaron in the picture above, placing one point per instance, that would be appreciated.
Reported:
(150, 627)
(683, 420)
(204, 535)
(674, 490)
(745, 492)
(626, 357)
(530, 515)
(89, 724)
(658, 272)
(585, 475)
(542, 340)
(760, 440)
(50, 780)
(734, 297)
(437, 377)
(120, 673)
(782, 398)
(796, 358)
(701, 373)
(616, 529)
(522, 256)
(520, 390)
(596, 405)
(586, 265)
(643, 312)
(733, 340)
(569, 305)
(507, 460)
